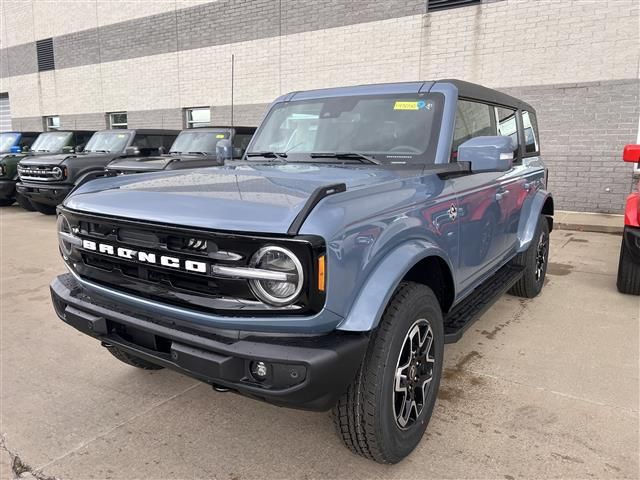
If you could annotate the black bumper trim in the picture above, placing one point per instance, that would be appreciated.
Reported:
(44, 193)
(307, 372)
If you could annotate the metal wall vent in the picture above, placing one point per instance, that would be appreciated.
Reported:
(435, 5)
(44, 49)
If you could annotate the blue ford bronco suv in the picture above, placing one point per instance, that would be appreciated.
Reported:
(365, 228)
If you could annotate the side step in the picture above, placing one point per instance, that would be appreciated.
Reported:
(471, 308)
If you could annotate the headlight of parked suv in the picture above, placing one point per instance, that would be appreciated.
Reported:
(58, 173)
(286, 271)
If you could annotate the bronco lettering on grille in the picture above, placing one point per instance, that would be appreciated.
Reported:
(145, 257)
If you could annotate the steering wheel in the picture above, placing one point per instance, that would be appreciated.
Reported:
(405, 149)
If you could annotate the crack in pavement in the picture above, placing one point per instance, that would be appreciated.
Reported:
(19, 467)
(116, 427)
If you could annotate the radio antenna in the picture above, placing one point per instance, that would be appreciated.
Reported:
(232, 75)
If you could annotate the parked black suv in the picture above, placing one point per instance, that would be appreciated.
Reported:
(46, 180)
(194, 148)
(47, 143)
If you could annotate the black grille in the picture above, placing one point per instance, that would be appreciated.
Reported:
(44, 50)
(435, 5)
(196, 290)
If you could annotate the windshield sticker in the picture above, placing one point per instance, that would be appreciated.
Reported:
(220, 135)
(418, 105)
(121, 135)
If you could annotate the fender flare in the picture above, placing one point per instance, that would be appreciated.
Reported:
(366, 311)
(528, 223)
(91, 175)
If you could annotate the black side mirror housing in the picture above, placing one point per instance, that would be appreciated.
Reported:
(68, 149)
(131, 151)
(224, 150)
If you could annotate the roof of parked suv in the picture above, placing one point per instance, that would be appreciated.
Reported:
(218, 127)
(465, 90)
(144, 131)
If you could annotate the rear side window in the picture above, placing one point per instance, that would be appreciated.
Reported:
(508, 126)
(530, 126)
(82, 138)
(240, 143)
(473, 119)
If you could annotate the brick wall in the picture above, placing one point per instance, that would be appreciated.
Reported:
(583, 129)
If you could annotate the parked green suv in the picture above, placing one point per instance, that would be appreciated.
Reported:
(67, 141)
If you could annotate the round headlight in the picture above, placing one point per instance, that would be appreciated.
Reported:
(277, 260)
(58, 174)
(66, 238)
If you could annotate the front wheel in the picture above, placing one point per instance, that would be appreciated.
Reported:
(385, 411)
(25, 203)
(44, 208)
(628, 272)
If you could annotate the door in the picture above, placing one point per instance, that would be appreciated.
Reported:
(482, 200)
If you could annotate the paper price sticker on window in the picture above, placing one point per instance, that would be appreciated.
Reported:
(220, 135)
(411, 105)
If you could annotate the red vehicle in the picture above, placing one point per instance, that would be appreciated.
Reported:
(629, 266)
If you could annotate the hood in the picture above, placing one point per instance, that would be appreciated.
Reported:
(151, 164)
(246, 198)
(57, 159)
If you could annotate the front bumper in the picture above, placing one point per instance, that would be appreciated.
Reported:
(308, 372)
(44, 193)
(7, 188)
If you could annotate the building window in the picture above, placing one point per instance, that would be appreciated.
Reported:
(52, 123)
(435, 5)
(117, 120)
(197, 117)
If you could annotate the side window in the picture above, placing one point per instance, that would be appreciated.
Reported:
(167, 141)
(508, 127)
(240, 143)
(530, 126)
(473, 119)
(82, 138)
(27, 140)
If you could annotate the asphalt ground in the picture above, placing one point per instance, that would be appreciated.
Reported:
(537, 388)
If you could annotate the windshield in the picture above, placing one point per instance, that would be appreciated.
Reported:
(107, 142)
(8, 140)
(51, 142)
(198, 141)
(389, 128)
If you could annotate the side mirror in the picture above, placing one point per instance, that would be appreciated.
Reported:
(631, 153)
(68, 149)
(79, 149)
(487, 154)
(131, 152)
(15, 149)
(224, 150)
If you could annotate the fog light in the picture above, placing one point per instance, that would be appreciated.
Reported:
(259, 371)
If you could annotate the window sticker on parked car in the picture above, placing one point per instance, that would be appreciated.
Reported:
(121, 135)
(404, 105)
(220, 135)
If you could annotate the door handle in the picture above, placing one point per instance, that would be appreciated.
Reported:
(501, 194)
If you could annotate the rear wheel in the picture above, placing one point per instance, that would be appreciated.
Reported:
(25, 203)
(534, 260)
(44, 208)
(5, 202)
(628, 272)
(132, 359)
(385, 411)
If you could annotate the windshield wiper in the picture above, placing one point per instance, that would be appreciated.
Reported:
(267, 154)
(175, 152)
(98, 151)
(198, 153)
(346, 156)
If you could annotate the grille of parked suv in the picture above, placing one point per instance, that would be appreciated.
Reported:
(194, 289)
(39, 173)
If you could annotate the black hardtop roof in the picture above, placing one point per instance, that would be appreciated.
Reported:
(479, 92)
(145, 131)
(27, 132)
(69, 130)
(218, 127)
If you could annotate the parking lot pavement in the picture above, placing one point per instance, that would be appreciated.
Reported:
(537, 388)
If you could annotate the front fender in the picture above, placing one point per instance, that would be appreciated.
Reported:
(367, 310)
(531, 211)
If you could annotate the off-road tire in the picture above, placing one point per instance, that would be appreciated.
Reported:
(531, 283)
(132, 359)
(6, 202)
(25, 203)
(628, 272)
(44, 208)
(364, 416)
